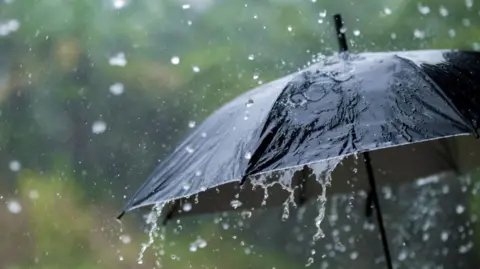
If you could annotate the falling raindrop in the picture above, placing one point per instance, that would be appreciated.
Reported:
(469, 3)
(118, 60)
(423, 9)
(444, 236)
(14, 207)
(125, 238)
(118, 4)
(196, 69)
(323, 13)
(201, 243)
(393, 36)
(354, 255)
(9, 27)
(186, 6)
(418, 34)
(99, 127)
(175, 60)
(451, 33)
(387, 11)
(235, 204)
(246, 214)
(251, 57)
(248, 155)
(187, 207)
(460, 209)
(191, 124)
(116, 89)
(33, 194)
(443, 11)
(15, 166)
(198, 173)
(402, 255)
(356, 32)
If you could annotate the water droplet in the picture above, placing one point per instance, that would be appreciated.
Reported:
(402, 255)
(191, 124)
(246, 214)
(186, 186)
(196, 69)
(423, 9)
(251, 57)
(255, 76)
(289, 28)
(469, 3)
(387, 11)
(201, 243)
(9, 27)
(118, 60)
(193, 248)
(186, 6)
(343, 29)
(125, 238)
(118, 4)
(116, 89)
(15, 166)
(323, 13)
(187, 207)
(248, 155)
(14, 207)
(33, 194)
(393, 36)
(235, 204)
(99, 127)
(198, 173)
(418, 34)
(356, 32)
(444, 236)
(476, 46)
(175, 60)
(189, 149)
(460, 209)
(451, 33)
(443, 11)
(354, 255)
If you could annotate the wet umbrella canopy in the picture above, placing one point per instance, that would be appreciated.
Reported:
(340, 106)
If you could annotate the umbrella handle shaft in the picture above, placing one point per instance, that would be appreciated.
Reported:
(378, 211)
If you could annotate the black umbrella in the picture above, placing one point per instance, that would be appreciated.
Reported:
(338, 107)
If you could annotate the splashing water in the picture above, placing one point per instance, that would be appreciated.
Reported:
(285, 182)
(152, 220)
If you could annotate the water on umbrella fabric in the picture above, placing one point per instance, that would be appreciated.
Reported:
(334, 108)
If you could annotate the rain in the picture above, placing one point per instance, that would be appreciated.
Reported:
(193, 121)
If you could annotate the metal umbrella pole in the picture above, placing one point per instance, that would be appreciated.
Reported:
(342, 42)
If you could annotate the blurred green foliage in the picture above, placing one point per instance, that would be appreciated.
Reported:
(54, 85)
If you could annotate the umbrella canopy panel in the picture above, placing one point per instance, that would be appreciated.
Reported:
(391, 166)
(334, 108)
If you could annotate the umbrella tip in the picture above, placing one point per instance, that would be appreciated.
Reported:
(340, 30)
(120, 215)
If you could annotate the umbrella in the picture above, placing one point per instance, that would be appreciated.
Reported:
(341, 106)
